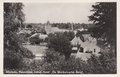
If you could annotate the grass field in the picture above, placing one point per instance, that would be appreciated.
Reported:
(36, 49)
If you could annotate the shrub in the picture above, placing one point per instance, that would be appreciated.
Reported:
(23, 37)
(57, 63)
(54, 62)
(26, 53)
(35, 40)
(12, 60)
(60, 43)
(104, 64)
(69, 34)
(13, 51)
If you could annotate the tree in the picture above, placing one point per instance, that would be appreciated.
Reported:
(104, 17)
(13, 50)
(29, 26)
(84, 25)
(104, 64)
(13, 16)
(35, 40)
(60, 43)
(69, 34)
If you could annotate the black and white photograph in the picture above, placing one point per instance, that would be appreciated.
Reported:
(60, 38)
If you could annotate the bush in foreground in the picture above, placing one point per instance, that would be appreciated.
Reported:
(54, 62)
(60, 43)
(104, 64)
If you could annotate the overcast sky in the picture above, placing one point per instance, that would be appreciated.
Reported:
(57, 12)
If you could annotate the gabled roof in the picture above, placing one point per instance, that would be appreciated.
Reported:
(76, 40)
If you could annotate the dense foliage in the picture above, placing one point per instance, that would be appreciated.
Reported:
(70, 35)
(54, 62)
(104, 64)
(104, 17)
(71, 26)
(13, 50)
(35, 40)
(60, 43)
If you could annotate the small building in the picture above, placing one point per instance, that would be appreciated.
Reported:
(75, 43)
(89, 45)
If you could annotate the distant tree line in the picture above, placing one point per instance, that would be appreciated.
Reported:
(70, 25)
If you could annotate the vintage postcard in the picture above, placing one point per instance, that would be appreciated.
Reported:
(60, 38)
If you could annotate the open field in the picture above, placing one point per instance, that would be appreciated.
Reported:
(37, 50)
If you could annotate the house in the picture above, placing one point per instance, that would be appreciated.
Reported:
(75, 42)
(89, 45)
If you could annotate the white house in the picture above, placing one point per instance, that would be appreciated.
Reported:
(75, 42)
(89, 45)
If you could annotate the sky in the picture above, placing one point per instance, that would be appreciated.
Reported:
(57, 12)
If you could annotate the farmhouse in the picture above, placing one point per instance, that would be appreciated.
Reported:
(89, 45)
